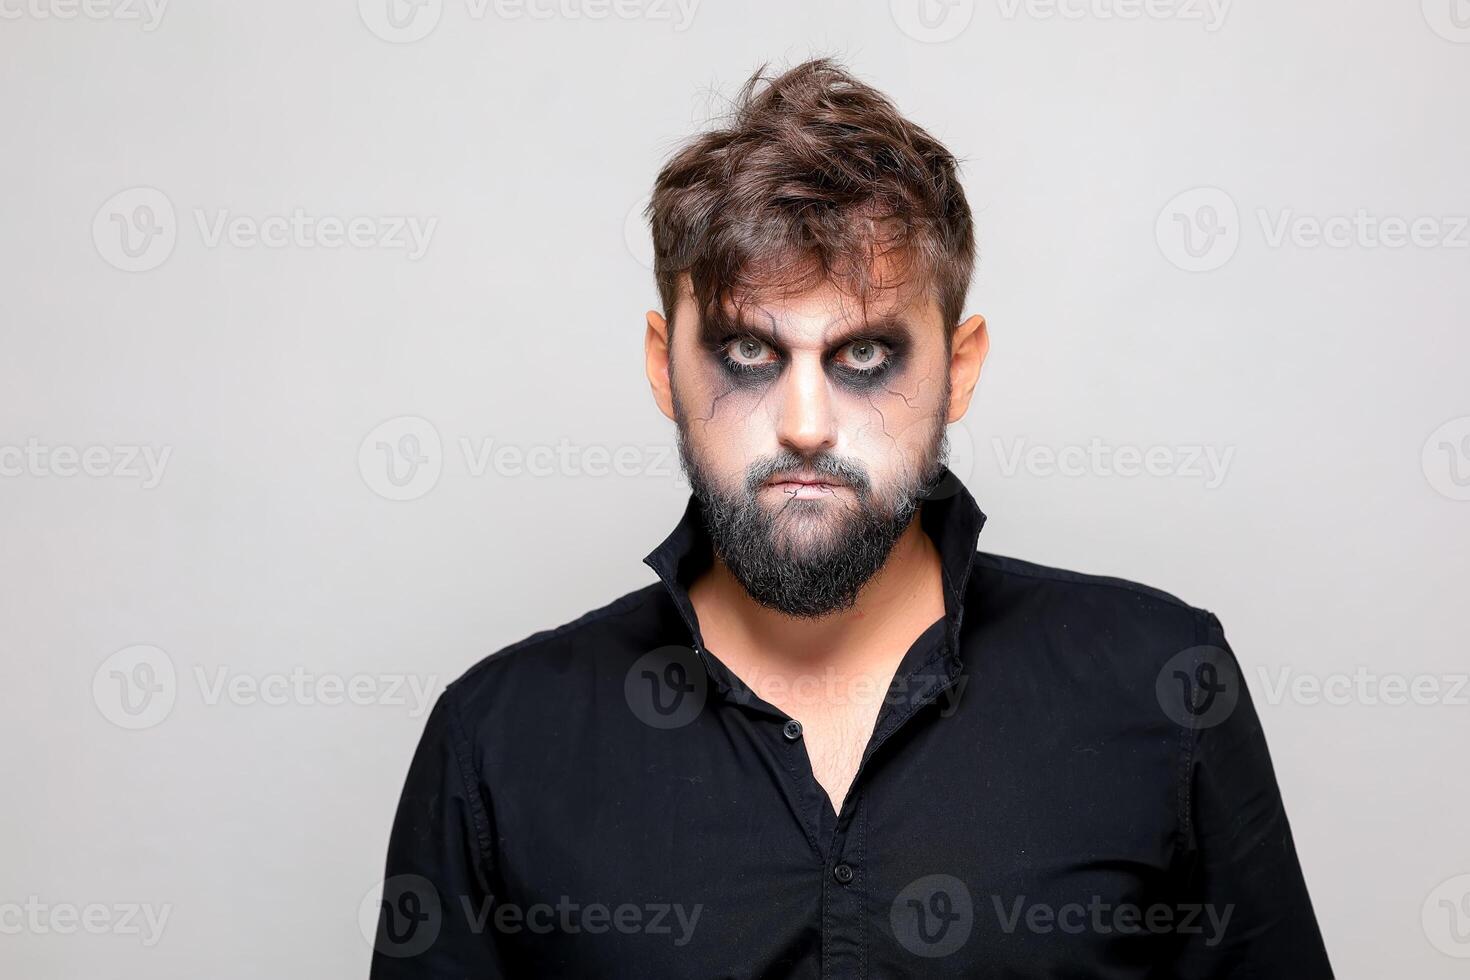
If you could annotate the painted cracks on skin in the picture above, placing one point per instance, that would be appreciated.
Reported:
(731, 387)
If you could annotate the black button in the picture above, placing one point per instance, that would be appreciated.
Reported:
(843, 873)
(792, 730)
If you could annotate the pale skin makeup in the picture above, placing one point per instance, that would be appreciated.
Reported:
(816, 374)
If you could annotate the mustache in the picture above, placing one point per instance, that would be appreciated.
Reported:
(825, 465)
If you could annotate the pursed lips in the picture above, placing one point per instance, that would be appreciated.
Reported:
(804, 483)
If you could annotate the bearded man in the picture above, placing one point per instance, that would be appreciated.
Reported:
(834, 739)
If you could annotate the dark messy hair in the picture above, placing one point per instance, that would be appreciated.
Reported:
(814, 177)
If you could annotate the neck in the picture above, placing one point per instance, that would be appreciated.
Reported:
(907, 589)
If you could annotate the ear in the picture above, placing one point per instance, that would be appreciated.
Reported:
(968, 348)
(656, 356)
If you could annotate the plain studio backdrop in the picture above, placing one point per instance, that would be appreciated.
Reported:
(322, 378)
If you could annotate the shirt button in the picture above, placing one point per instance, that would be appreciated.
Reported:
(843, 873)
(792, 730)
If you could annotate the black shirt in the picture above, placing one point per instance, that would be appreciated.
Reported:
(1067, 778)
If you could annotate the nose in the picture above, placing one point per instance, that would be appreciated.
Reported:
(808, 423)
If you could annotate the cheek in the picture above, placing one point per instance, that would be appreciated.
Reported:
(716, 406)
(728, 425)
(896, 415)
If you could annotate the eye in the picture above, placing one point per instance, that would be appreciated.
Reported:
(748, 353)
(863, 356)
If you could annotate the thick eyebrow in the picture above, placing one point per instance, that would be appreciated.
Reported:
(890, 329)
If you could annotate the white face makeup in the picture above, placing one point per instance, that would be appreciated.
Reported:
(810, 380)
(811, 427)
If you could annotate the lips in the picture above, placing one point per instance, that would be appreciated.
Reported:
(798, 480)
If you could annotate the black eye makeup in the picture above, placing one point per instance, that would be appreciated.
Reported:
(749, 358)
(862, 362)
(859, 363)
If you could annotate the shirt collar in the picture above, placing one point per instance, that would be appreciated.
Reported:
(950, 516)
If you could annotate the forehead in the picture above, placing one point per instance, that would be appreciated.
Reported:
(818, 315)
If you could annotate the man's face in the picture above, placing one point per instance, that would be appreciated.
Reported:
(809, 429)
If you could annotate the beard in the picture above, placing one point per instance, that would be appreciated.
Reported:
(810, 558)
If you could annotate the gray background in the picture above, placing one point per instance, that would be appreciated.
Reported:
(1331, 378)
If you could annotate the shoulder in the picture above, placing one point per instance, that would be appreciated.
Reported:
(1016, 575)
(1109, 618)
(564, 664)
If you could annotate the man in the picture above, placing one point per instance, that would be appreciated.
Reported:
(834, 740)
